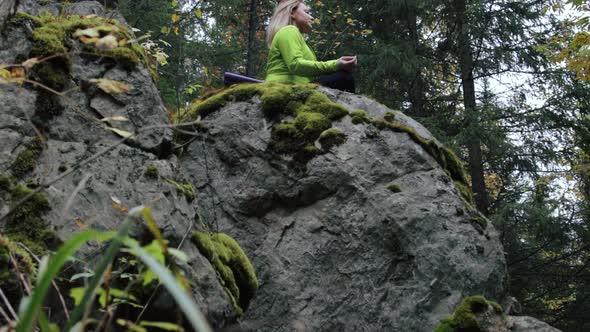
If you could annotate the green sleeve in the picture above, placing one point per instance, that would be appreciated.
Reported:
(292, 47)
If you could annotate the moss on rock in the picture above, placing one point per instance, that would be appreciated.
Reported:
(313, 113)
(186, 189)
(26, 224)
(151, 172)
(389, 116)
(359, 116)
(26, 160)
(234, 269)
(331, 137)
(51, 36)
(394, 188)
(6, 182)
(445, 157)
(14, 262)
(464, 319)
(24, 262)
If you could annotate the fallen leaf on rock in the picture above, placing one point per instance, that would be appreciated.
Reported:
(120, 132)
(111, 86)
(114, 118)
(30, 63)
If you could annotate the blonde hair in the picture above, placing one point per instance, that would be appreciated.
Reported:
(281, 17)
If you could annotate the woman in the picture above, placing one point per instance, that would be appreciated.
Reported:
(290, 60)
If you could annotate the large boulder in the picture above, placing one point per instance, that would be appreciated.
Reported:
(371, 234)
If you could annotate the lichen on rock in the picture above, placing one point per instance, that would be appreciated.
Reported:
(232, 265)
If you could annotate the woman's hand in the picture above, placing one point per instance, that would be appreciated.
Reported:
(347, 63)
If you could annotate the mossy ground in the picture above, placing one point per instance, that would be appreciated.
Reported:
(232, 265)
(464, 319)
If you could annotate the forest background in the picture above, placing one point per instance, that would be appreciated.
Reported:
(504, 83)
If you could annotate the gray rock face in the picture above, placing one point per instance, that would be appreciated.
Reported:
(528, 324)
(6, 9)
(333, 247)
(98, 194)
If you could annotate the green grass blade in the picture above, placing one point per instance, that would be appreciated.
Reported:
(99, 271)
(186, 303)
(27, 320)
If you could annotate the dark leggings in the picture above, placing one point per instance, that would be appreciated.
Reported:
(340, 80)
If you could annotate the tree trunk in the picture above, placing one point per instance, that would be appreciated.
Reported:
(416, 85)
(466, 65)
(251, 45)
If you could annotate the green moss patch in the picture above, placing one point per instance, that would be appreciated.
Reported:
(234, 269)
(151, 172)
(312, 112)
(389, 117)
(26, 160)
(359, 116)
(186, 189)
(14, 262)
(26, 224)
(464, 319)
(332, 137)
(11, 253)
(394, 188)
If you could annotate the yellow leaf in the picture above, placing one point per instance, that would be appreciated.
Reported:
(3, 72)
(111, 86)
(107, 42)
(176, 31)
(90, 32)
(175, 18)
(162, 58)
(17, 72)
(87, 40)
(30, 62)
(122, 133)
(199, 13)
(80, 223)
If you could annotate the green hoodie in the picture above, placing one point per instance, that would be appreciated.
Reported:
(290, 60)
